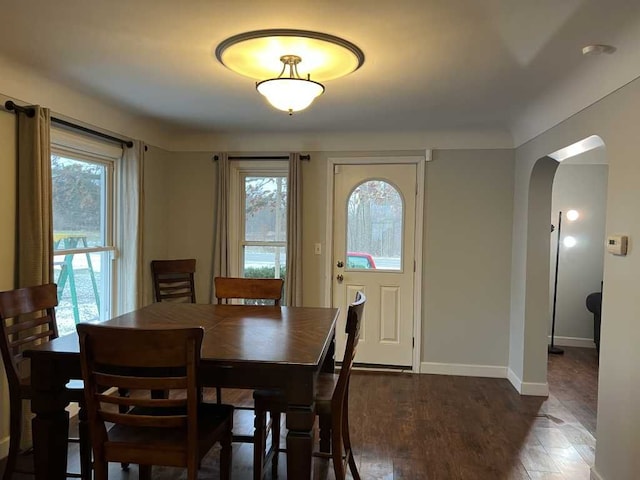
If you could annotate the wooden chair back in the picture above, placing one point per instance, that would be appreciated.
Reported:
(141, 360)
(352, 329)
(341, 452)
(27, 318)
(173, 280)
(228, 288)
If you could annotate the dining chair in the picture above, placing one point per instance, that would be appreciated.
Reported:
(173, 280)
(27, 318)
(177, 431)
(256, 289)
(332, 404)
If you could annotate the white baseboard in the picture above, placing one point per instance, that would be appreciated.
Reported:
(491, 371)
(4, 447)
(595, 475)
(528, 388)
(573, 342)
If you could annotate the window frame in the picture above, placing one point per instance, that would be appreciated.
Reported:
(79, 147)
(239, 170)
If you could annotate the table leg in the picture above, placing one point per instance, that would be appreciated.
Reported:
(50, 426)
(300, 419)
(50, 445)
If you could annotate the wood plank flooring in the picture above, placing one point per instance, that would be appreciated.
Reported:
(452, 428)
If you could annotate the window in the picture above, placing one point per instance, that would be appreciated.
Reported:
(374, 227)
(259, 245)
(83, 173)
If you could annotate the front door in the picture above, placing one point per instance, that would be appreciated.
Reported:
(373, 251)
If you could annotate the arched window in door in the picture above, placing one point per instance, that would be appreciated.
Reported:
(374, 227)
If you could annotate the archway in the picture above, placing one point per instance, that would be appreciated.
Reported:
(536, 325)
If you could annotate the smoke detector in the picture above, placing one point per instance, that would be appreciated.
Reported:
(598, 49)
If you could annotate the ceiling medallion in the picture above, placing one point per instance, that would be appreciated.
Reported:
(299, 56)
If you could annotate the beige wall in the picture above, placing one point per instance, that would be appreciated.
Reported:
(155, 219)
(7, 244)
(467, 257)
(179, 203)
(615, 119)
(582, 188)
(24, 84)
(467, 241)
(191, 212)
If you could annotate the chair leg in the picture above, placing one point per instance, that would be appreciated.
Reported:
(85, 444)
(336, 447)
(218, 395)
(275, 442)
(144, 472)
(346, 439)
(259, 442)
(100, 470)
(226, 454)
(15, 424)
(325, 433)
(123, 392)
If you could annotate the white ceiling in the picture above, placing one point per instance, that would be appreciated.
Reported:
(430, 64)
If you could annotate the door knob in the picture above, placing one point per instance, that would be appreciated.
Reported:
(340, 264)
(339, 278)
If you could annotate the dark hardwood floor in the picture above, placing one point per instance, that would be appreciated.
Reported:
(448, 428)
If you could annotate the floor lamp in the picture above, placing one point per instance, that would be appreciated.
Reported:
(552, 347)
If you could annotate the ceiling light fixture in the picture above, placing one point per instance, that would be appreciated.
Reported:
(296, 54)
(292, 93)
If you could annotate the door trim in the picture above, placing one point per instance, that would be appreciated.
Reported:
(419, 161)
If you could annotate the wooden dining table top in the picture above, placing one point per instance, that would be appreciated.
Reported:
(233, 333)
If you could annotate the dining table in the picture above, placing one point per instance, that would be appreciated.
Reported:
(244, 346)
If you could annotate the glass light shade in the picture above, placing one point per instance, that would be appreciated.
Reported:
(570, 242)
(290, 94)
(572, 215)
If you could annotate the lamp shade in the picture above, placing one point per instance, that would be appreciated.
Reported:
(290, 94)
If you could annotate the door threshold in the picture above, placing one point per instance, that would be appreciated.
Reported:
(375, 367)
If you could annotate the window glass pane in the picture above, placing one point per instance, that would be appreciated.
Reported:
(81, 196)
(264, 262)
(265, 209)
(79, 203)
(374, 227)
(83, 288)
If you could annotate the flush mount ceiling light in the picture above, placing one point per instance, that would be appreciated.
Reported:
(303, 58)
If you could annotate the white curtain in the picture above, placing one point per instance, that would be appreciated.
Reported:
(221, 257)
(34, 243)
(130, 209)
(293, 283)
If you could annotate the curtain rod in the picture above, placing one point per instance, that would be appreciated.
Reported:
(265, 157)
(30, 112)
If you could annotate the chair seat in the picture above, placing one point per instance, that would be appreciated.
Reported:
(212, 421)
